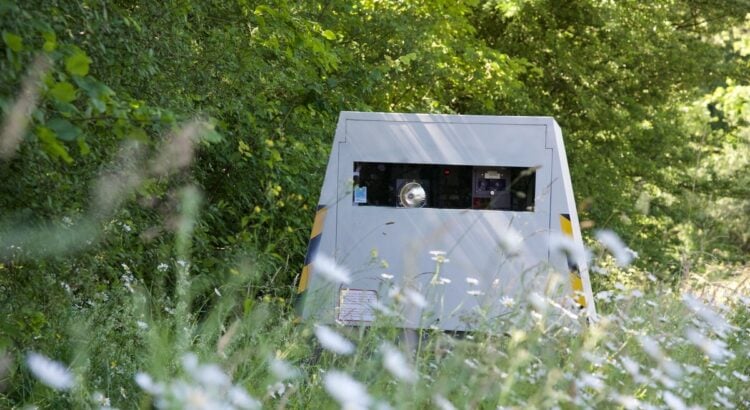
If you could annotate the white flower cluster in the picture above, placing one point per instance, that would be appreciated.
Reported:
(49, 372)
(330, 270)
(332, 341)
(205, 386)
(349, 393)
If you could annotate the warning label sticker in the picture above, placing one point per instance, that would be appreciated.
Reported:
(355, 305)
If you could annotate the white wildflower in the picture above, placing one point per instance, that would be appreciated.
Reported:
(441, 281)
(330, 270)
(239, 397)
(415, 298)
(282, 370)
(146, 382)
(604, 296)
(718, 324)
(471, 363)
(442, 403)
(206, 374)
(276, 390)
(623, 255)
(721, 397)
(190, 362)
(162, 267)
(674, 402)
(474, 292)
(332, 341)
(395, 362)
(672, 369)
(439, 257)
(50, 372)
(349, 393)
(142, 325)
(386, 276)
(651, 347)
(716, 350)
(538, 302)
(66, 287)
(742, 377)
(633, 368)
(102, 400)
(589, 380)
(510, 241)
(627, 402)
(472, 281)
(211, 375)
(566, 245)
(382, 308)
(507, 301)
(383, 405)
(206, 387)
(665, 380)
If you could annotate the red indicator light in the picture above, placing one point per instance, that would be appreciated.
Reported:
(446, 171)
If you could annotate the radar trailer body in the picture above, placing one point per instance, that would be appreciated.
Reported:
(445, 219)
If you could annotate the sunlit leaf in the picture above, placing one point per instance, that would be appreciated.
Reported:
(13, 41)
(63, 91)
(52, 145)
(83, 147)
(78, 63)
(50, 41)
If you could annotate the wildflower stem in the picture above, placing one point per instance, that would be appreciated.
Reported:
(190, 202)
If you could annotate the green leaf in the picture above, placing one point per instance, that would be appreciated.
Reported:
(78, 63)
(64, 129)
(329, 35)
(63, 91)
(13, 41)
(65, 108)
(93, 88)
(98, 105)
(210, 135)
(83, 147)
(50, 41)
(138, 134)
(52, 145)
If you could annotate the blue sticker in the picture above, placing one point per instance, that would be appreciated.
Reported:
(360, 195)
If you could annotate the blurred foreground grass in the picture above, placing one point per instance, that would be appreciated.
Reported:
(237, 346)
(119, 341)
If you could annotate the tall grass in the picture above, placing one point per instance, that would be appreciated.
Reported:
(185, 345)
(135, 349)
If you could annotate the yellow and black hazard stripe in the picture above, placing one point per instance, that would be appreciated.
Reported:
(575, 274)
(312, 248)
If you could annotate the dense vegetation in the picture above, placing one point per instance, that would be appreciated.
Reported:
(155, 150)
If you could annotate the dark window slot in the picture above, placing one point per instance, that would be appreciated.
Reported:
(444, 186)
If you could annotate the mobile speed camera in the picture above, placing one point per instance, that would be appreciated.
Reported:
(452, 214)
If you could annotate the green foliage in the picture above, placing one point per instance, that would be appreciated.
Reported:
(652, 98)
(616, 75)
